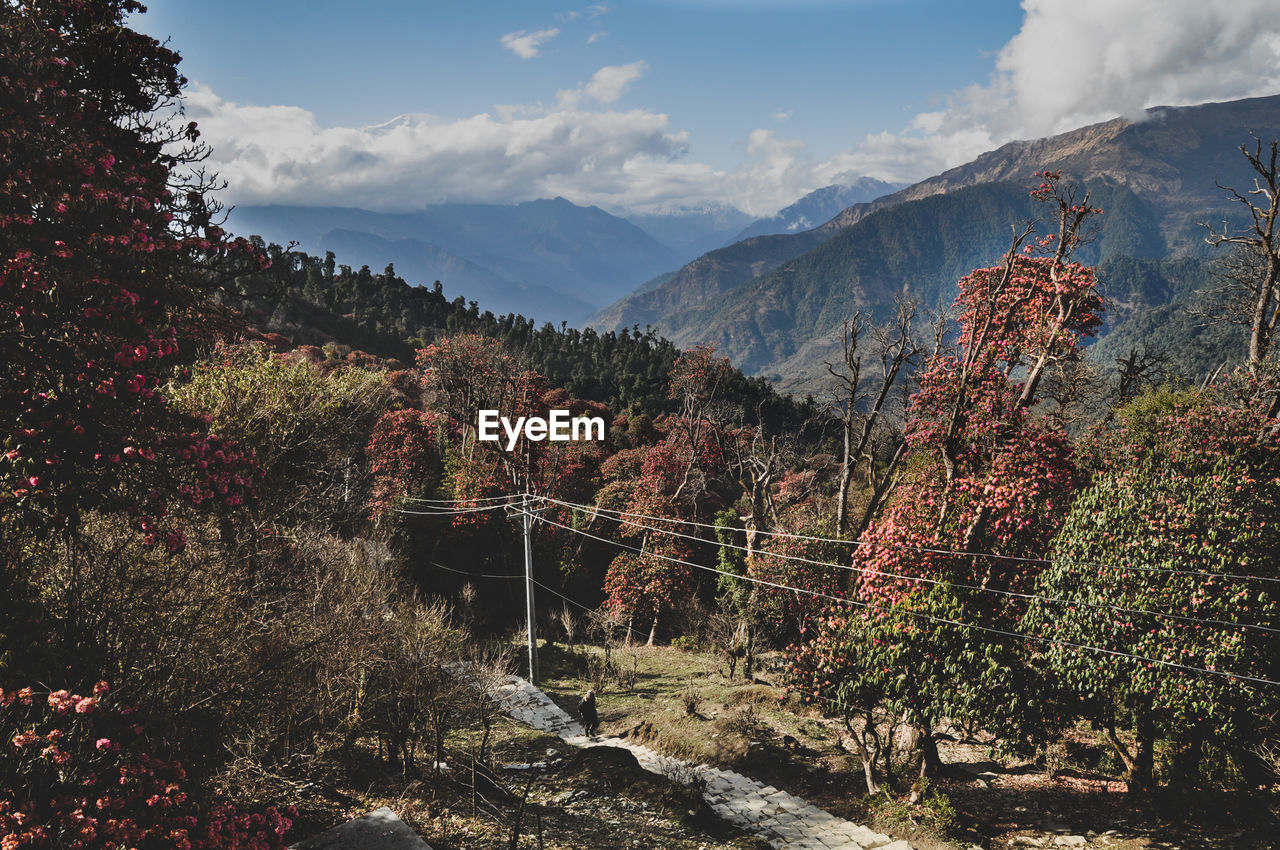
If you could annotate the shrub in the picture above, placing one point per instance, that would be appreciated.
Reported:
(77, 773)
(685, 643)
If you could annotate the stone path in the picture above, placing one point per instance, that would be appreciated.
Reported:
(780, 818)
(381, 829)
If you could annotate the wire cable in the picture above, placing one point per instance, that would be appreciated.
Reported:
(459, 511)
(580, 605)
(906, 547)
(472, 500)
(1119, 609)
(930, 617)
(471, 575)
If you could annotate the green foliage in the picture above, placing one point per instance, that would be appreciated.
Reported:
(306, 425)
(1187, 488)
(686, 643)
(1167, 305)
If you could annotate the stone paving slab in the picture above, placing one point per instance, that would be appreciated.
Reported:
(782, 819)
(381, 829)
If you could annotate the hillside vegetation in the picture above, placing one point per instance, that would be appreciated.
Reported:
(258, 555)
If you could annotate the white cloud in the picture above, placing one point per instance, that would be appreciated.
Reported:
(596, 36)
(1077, 62)
(280, 154)
(607, 85)
(1072, 62)
(526, 44)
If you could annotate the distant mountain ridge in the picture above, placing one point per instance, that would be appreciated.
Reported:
(775, 304)
(818, 207)
(549, 259)
(692, 233)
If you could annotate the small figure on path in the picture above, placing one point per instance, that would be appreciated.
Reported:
(587, 711)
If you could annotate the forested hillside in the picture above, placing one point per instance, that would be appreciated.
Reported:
(261, 565)
(548, 258)
(317, 303)
(777, 309)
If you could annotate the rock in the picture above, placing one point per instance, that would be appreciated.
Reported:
(1070, 840)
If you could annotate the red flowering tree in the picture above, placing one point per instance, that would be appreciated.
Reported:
(404, 457)
(795, 563)
(645, 586)
(77, 772)
(105, 235)
(982, 474)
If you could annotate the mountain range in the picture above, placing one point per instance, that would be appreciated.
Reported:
(776, 304)
(549, 259)
(819, 207)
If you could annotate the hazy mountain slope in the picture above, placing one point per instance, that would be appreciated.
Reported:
(674, 300)
(1171, 159)
(818, 207)
(692, 233)
(420, 261)
(1155, 179)
(919, 249)
(581, 252)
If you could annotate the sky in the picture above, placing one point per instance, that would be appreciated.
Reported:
(655, 106)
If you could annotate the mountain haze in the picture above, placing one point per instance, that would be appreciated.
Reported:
(691, 233)
(549, 259)
(818, 207)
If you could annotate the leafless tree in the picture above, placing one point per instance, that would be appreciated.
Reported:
(860, 399)
(1071, 393)
(1251, 273)
(1140, 369)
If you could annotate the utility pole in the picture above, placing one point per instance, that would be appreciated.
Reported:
(527, 517)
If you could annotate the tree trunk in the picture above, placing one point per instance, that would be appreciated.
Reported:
(929, 761)
(1143, 778)
(846, 476)
(1186, 761)
(1139, 764)
(653, 631)
(881, 490)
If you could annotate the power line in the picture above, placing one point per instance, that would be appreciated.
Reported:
(832, 700)
(466, 501)
(580, 605)
(910, 548)
(458, 511)
(930, 617)
(972, 587)
(470, 575)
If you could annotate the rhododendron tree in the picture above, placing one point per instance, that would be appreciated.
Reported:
(305, 425)
(793, 562)
(981, 474)
(106, 235)
(646, 586)
(404, 457)
(79, 772)
(1186, 499)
